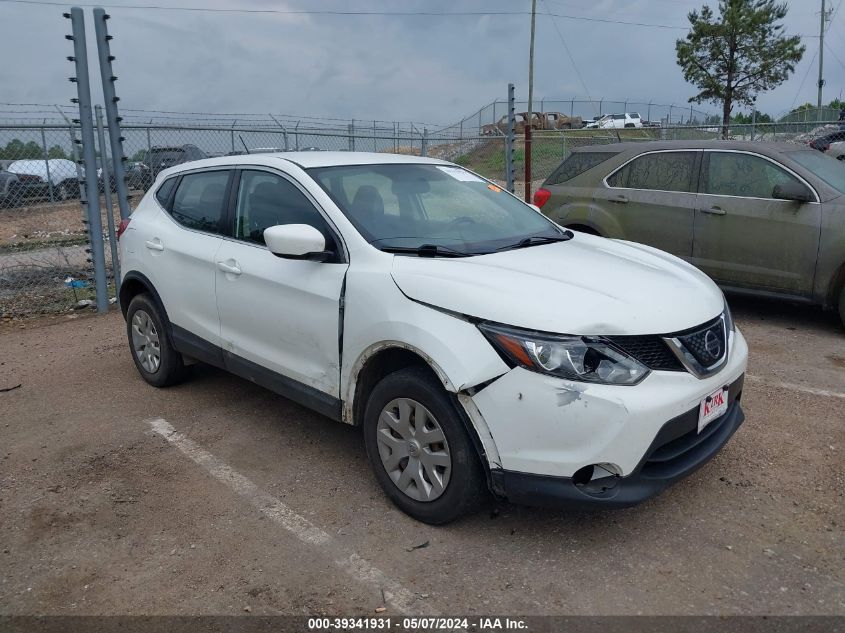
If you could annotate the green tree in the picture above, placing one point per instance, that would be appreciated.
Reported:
(738, 54)
(747, 119)
(57, 151)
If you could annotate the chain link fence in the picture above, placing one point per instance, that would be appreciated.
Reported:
(44, 261)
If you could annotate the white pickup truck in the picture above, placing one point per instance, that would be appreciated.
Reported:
(609, 121)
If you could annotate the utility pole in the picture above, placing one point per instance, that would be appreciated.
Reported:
(530, 120)
(821, 62)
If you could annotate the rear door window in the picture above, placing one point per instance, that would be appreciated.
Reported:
(577, 164)
(199, 201)
(661, 171)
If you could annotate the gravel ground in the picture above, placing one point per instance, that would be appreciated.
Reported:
(100, 515)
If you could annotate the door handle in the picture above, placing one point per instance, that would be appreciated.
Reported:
(231, 269)
(620, 199)
(714, 210)
(154, 245)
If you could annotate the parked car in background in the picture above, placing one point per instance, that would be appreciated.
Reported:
(162, 157)
(37, 176)
(11, 189)
(832, 144)
(138, 176)
(759, 218)
(560, 121)
(402, 295)
(617, 121)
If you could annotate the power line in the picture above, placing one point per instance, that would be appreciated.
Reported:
(330, 12)
(835, 56)
(571, 59)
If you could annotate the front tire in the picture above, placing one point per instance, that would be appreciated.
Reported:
(156, 359)
(419, 448)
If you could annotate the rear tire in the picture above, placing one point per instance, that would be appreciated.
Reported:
(156, 359)
(420, 450)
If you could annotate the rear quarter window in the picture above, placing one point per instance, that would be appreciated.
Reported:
(577, 164)
(163, 193)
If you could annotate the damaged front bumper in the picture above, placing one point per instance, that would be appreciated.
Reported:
(677, 451)
(555, 442)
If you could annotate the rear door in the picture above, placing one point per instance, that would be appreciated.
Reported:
(652, 199)
(179, 249)
(743, 236)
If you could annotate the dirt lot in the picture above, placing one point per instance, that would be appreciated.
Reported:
(259, 504)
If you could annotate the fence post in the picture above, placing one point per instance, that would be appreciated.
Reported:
(395, 138)
(509, 139)
(95, 222)
(232, 135)
(374, 136)
(115, 136)
(571, 108)
(648, 116)
(495, 120)
(101, 138)
(296, 135)
(424, 144)
(479, 123)
(47, 164)
(352, 136)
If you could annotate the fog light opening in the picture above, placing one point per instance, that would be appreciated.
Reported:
(597, 479)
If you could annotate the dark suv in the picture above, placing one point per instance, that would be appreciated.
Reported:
(161, 157)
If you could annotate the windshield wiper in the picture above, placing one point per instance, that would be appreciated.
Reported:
(427, 250)
(536, 240)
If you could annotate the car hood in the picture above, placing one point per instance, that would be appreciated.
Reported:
(588, 285)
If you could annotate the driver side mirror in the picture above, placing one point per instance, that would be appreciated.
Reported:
(793, 191)
(296, 241)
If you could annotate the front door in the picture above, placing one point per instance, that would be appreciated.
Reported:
(281, 314)
(743, 236)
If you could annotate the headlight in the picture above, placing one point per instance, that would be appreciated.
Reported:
(730, 326)
(581, 358)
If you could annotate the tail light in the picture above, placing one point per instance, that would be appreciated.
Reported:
(541, 197)
(124, 224)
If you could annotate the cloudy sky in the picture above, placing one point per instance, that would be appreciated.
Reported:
(427, 68)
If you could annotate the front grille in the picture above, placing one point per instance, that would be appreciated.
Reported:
(706, 345)
(651, 351)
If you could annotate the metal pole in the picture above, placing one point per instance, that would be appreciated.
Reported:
(424, 144)
(374, 137)
(101, 137)
(753, 121)
(509, 138)
(530, 121)
(350, 131)
(115, 136)
(395, 139)
(821, 64)
(95, 222)
(47, 164)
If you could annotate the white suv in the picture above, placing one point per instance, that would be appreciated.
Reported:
(477, 344)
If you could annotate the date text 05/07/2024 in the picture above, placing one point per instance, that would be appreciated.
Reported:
(477, 624)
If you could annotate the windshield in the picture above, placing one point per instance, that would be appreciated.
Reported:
(415, 205)
(827, 168)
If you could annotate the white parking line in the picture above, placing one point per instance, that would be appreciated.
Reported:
(795, 387)
(358, 568)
